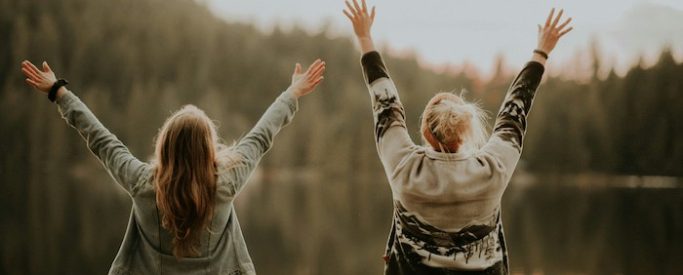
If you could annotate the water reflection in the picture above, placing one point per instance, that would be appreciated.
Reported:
(300, 223)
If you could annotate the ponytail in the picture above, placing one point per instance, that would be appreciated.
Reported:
(450, 124)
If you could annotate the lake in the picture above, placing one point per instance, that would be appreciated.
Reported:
(572, 224)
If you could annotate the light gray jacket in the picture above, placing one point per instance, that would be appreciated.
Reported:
(146, 247)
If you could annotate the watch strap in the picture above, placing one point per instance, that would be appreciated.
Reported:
(52, 95)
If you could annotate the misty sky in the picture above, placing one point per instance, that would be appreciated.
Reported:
(457, 31)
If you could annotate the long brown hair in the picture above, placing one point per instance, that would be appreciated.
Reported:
(185, 177)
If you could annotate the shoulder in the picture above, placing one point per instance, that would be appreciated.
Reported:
(145, 180)
(228, 174)
(454, 166)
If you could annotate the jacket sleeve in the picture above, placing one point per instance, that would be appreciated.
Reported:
(391, 135)
(251, 148)
(508, 133)
(126, 170)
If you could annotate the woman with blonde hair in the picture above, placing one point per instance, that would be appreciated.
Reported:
(447, 194)
(183, 220)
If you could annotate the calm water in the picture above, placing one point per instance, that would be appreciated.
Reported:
(299, 222)
(585, 224)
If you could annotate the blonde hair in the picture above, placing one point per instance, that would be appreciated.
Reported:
(450, 124)
(186, 163)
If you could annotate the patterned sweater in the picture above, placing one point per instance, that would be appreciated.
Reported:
(146, 247)
(447, 206)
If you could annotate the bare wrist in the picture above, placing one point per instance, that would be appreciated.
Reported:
(366, 44)
(545, 50)
(293, 91)
(538, 58)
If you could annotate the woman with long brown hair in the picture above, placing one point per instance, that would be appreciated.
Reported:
(183, 220)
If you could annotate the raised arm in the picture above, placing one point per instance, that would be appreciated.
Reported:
(258, 141)
(114, 155)
(510, 126)
(391, 135)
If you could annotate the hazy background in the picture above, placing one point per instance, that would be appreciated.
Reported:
(453, 32)
(599, 189)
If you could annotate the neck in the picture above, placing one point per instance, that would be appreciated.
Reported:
(453, 148)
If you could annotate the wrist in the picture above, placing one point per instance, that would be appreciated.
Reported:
(538, 58)
(57, 89)
(62, 91)
(542, 53)
(544, 49)
(366, 44)
(293, 91)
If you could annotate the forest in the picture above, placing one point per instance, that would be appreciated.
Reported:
(135, 61)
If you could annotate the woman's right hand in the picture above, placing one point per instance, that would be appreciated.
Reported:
(550, 33)
(304, 83)
(42, 80)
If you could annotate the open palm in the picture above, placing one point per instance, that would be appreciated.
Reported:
(304, 83)
(42, 80)
(551, 32)
(360, 17)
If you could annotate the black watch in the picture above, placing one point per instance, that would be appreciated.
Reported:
(55, 87)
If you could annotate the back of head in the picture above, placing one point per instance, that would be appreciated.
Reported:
(450, 124)
(185, 177)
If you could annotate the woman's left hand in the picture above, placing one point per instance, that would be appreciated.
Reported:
(551, 32)
(360, 17)
(42, 80)
(304, 83)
